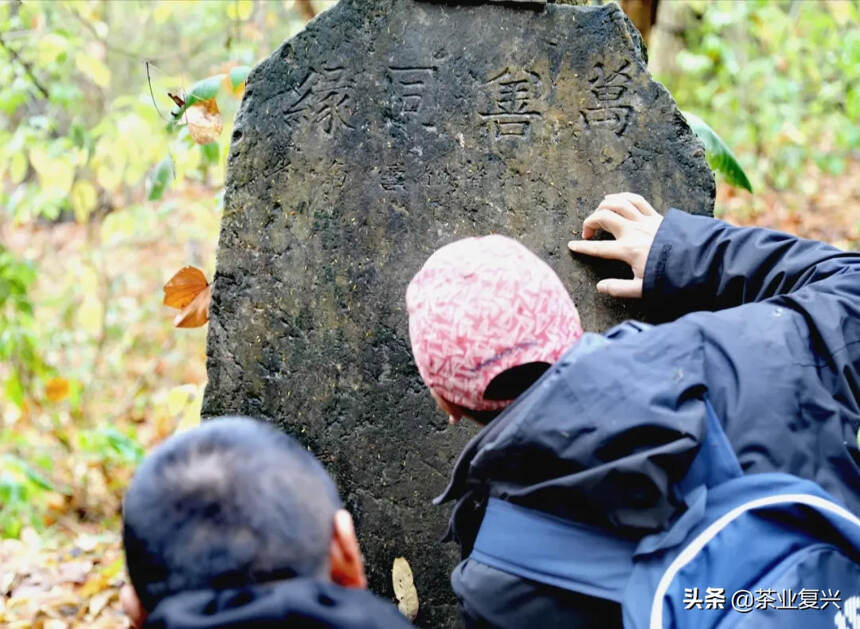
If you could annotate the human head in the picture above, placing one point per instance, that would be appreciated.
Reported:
(231, 503)
(486, 318)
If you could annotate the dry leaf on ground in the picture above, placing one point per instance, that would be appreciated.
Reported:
(71, 582)
(404, 588)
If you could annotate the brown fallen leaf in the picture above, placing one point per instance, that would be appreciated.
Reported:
(189, 292)
(204, 121)
(404, 588)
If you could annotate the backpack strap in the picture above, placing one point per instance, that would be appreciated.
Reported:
(537, 546)
(795, 500)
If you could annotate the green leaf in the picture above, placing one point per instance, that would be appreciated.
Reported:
(203, 90)
(36, 478)
(719, 155)
(238, 75)
(200, 92)
(210, 152)
(160, 178)
(12, 462)
(14, 390)
(126, 447)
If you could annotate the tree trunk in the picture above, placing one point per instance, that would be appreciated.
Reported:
(643, 14)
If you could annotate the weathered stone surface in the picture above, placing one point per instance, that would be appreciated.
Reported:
(384, 130)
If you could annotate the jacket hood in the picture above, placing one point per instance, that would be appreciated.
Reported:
(304, 603)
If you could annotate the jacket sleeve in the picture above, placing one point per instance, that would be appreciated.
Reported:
(699, 263)
(782, 368)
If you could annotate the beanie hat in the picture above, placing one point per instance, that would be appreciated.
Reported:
(480, 306)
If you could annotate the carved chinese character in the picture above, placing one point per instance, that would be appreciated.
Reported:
(325, 97)
(409, 84)
(614, 118)
(607, 89)
(512, 110)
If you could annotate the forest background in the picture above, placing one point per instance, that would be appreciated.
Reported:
(104, 195)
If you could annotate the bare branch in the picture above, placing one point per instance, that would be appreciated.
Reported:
(27, 68)
(151, 93)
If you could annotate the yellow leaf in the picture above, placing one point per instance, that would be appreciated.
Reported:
(204, 121)
(94, 584)
(108, 177)
(18, 167)
(57, 389)
(93, 68)
(55, 173)
(89, 316)
(404, 588)
(86, 281)
(190, 419)
(240, 9)
(100, 600)
(163, 11)
(841, 11)
(191, 415)
(49, 46)
(179, 397)
(83, 199)
(112, 569)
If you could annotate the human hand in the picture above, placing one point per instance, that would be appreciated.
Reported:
(634, 223)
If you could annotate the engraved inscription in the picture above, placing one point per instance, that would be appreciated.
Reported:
(393, 179)
(607, 89)
(512, 110)
(638, 157)
(410, 83)
(325, 98)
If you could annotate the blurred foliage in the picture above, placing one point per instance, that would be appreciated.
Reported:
(108, 186)
(18, 336)
(105, 191)
(779, 81)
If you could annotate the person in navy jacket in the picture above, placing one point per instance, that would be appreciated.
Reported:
(236, 524)
(762, 326)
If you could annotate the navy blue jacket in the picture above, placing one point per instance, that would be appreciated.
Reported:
(607, 432)
(298, 603)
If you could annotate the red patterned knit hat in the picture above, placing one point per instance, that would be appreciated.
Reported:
(480, 306)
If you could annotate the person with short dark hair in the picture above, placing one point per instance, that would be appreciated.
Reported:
(235, 524)
(601, 429)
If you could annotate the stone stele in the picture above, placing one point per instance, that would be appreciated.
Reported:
(384, 130)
